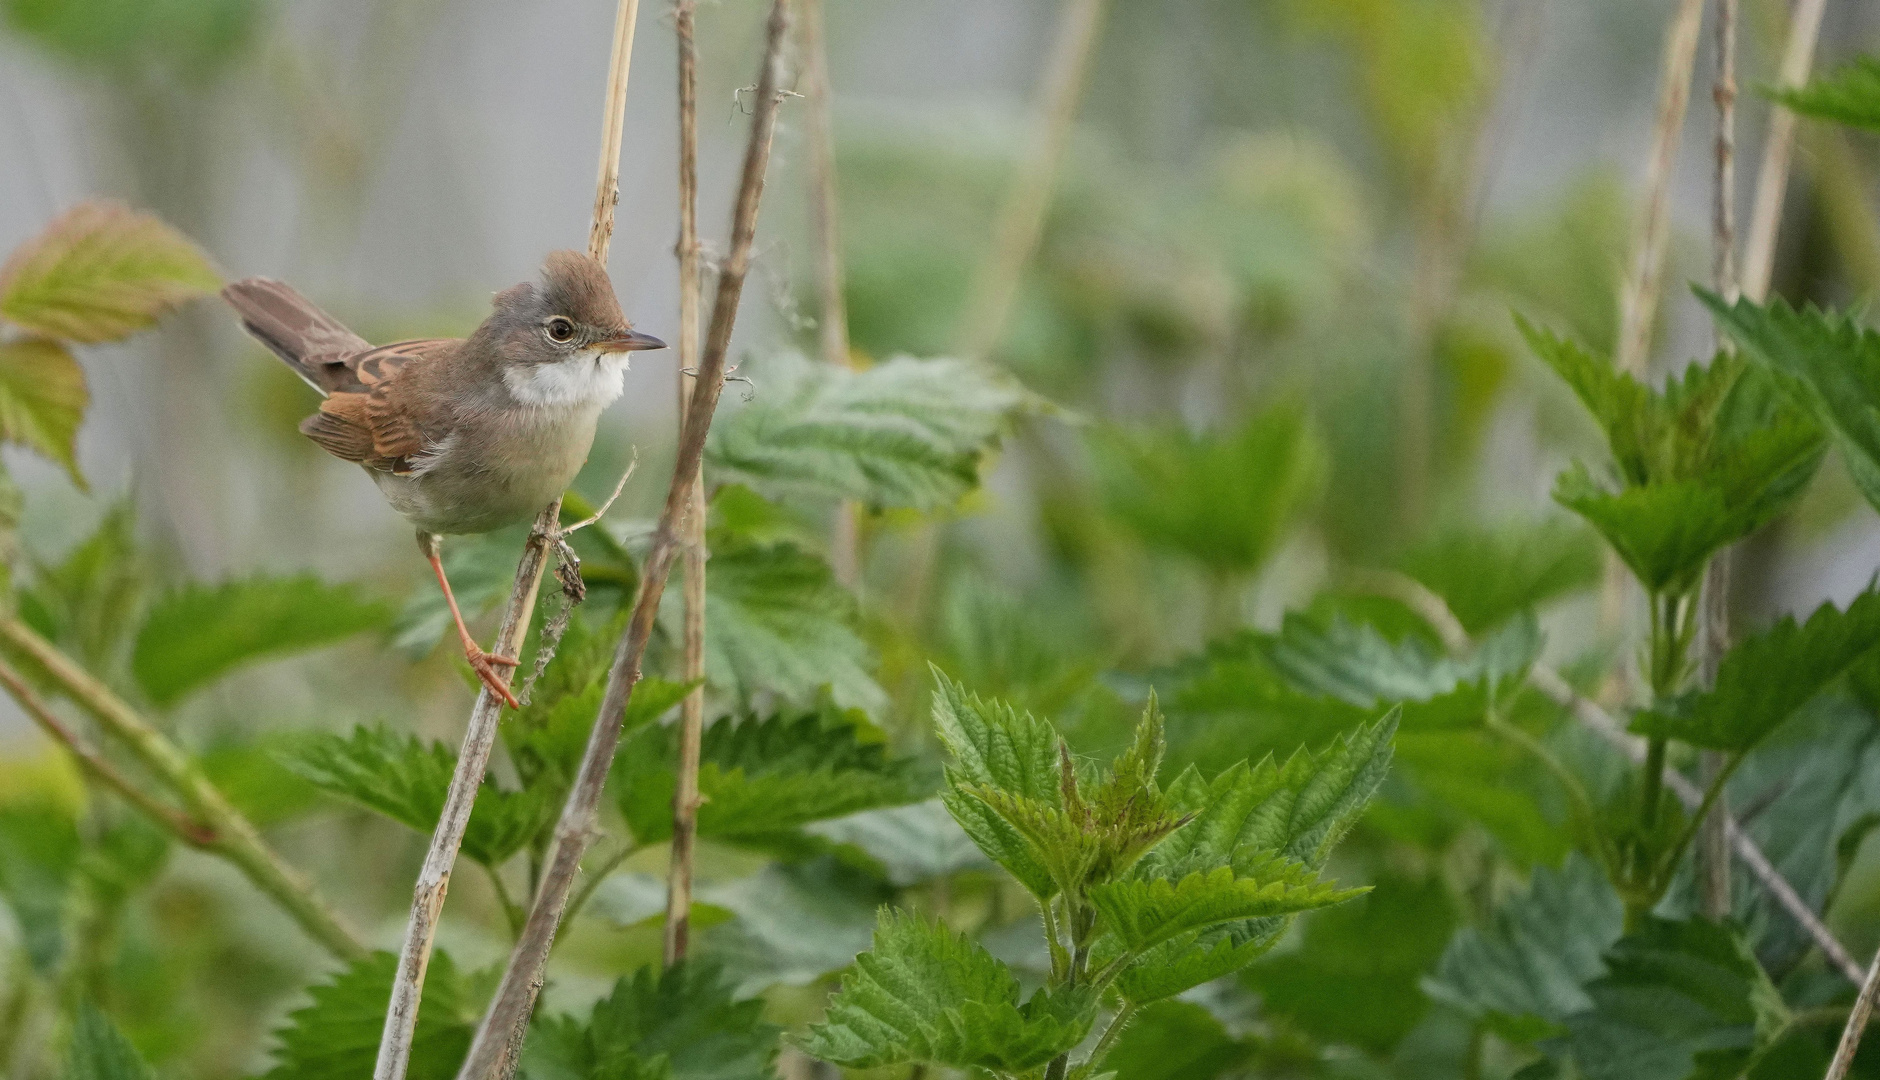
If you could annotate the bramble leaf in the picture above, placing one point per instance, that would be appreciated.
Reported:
(680, 1023)
(1849, 95)
(43, 400)
(337, 1036)
(1525, 970)
(1144, 912)
(776, 621)
(926, 994)
(99, 1051)
(1488, 576)
(407, 781)
(197, 633)
(906, 433)
(101, 271)
(1764, 679)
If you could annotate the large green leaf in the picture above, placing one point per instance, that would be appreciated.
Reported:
(996, 747)
(1831, 359)
(1765, 678)
(1144, 912)
(906, 433)
(905, 845)
(762, 778)
(199, 632)
(1679, 1001)
(1222, 500)
(1487, 576)
(42, 400)
(680, 1023)
(794, 924)
(1176, 1040)
(101, 272)
(406, 780)
(777, 622)
(336, 1037)
(39, 851)
(1849, 95)
(1524, 970)
(926, 994)
(100, 1052)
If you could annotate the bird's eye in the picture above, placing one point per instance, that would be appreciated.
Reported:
(560, 330)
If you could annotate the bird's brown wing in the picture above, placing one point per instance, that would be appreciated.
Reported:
(369, 421)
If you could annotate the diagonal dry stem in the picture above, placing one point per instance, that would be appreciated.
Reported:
(492, 1051)
(1772, 180)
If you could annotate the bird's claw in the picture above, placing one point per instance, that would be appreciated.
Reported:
(485, 665)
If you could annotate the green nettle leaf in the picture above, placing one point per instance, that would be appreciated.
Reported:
(1680, 1001)
(904, 845)
(994, 747)
(336, 1037)
(1176, 1040)
(42, 400)
(1763, 680)
(1354, 663)
(406, 780)
(906, 433)
(1710, 459)
(99, 1051)
(794, 924)
(199, 632)
(1144, 912)
(777, 621)
(1830, 359)
(101, 272)
(926, 994)
(39, 850)
(1222, 500)
(1850, 95)
(1524, 971)
(481, 570)
(763, 778)
(1488, 576)
(680, 1023)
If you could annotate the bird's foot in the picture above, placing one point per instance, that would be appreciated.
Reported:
(486, 665)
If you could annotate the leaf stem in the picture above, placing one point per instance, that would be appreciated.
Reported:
(1669, 861)
(1060, 960)
(512, 911)
(595, 879)
(1582, 802)
(1108, 1038)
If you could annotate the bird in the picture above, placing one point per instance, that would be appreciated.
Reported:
(462, 435)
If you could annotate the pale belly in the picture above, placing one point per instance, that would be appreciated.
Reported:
(475, 487)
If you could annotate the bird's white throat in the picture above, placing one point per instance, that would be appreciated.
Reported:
(588, 377)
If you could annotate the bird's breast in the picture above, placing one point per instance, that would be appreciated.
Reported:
(495, 471)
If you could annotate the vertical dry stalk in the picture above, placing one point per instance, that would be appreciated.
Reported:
(692, 710)
(1638, 302)
(1856, 1023)
(1765, 219)
(508, 1015)
(427, 900)
(1021, 218)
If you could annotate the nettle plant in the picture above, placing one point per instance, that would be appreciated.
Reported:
(1144, 892)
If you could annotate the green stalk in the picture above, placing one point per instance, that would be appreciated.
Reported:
(1117, 1023)
(1711, 794)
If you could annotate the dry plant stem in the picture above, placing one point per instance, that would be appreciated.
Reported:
(95, 765)
(1588, 712)
(1856, 1023)
(427, 902)
(685, 800)
(1759, 252)
(232, 836)
(1021, 219)
(508, 1015)
(1638, 302)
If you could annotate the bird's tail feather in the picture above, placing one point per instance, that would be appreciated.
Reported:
(292, 327)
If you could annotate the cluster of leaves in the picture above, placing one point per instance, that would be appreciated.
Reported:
(1144, 891)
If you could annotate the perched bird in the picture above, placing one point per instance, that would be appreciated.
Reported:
(463, 435)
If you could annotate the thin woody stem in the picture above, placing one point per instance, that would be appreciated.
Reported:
(685, 798)
(233, 836)
(1759, 252)
(508, 1015)
(427, 902)
(1856, 1023)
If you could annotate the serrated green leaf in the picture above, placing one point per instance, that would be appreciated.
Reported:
(1680, 1001)
(994, 746)
(200, 632)
(1487, 576)
(1145, 912)
(1222, 500)
(481, 570)
(43, 398)
(91, 602)
(336, 1037)
(1176, 1040)
(926, 994)
(406, 780)
(1764, 679)
(101, 271)
(777, 622)
(906, 845)
(1183, 963)
(39, 850)
(680, 1023)
(763, 777)
(1524, 971)
(1849, 95)
(99, 1051)
(905, 433)
(794, 924)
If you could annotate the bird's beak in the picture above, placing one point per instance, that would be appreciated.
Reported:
(631, 341)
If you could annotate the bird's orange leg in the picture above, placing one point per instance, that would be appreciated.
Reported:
(484, 664)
